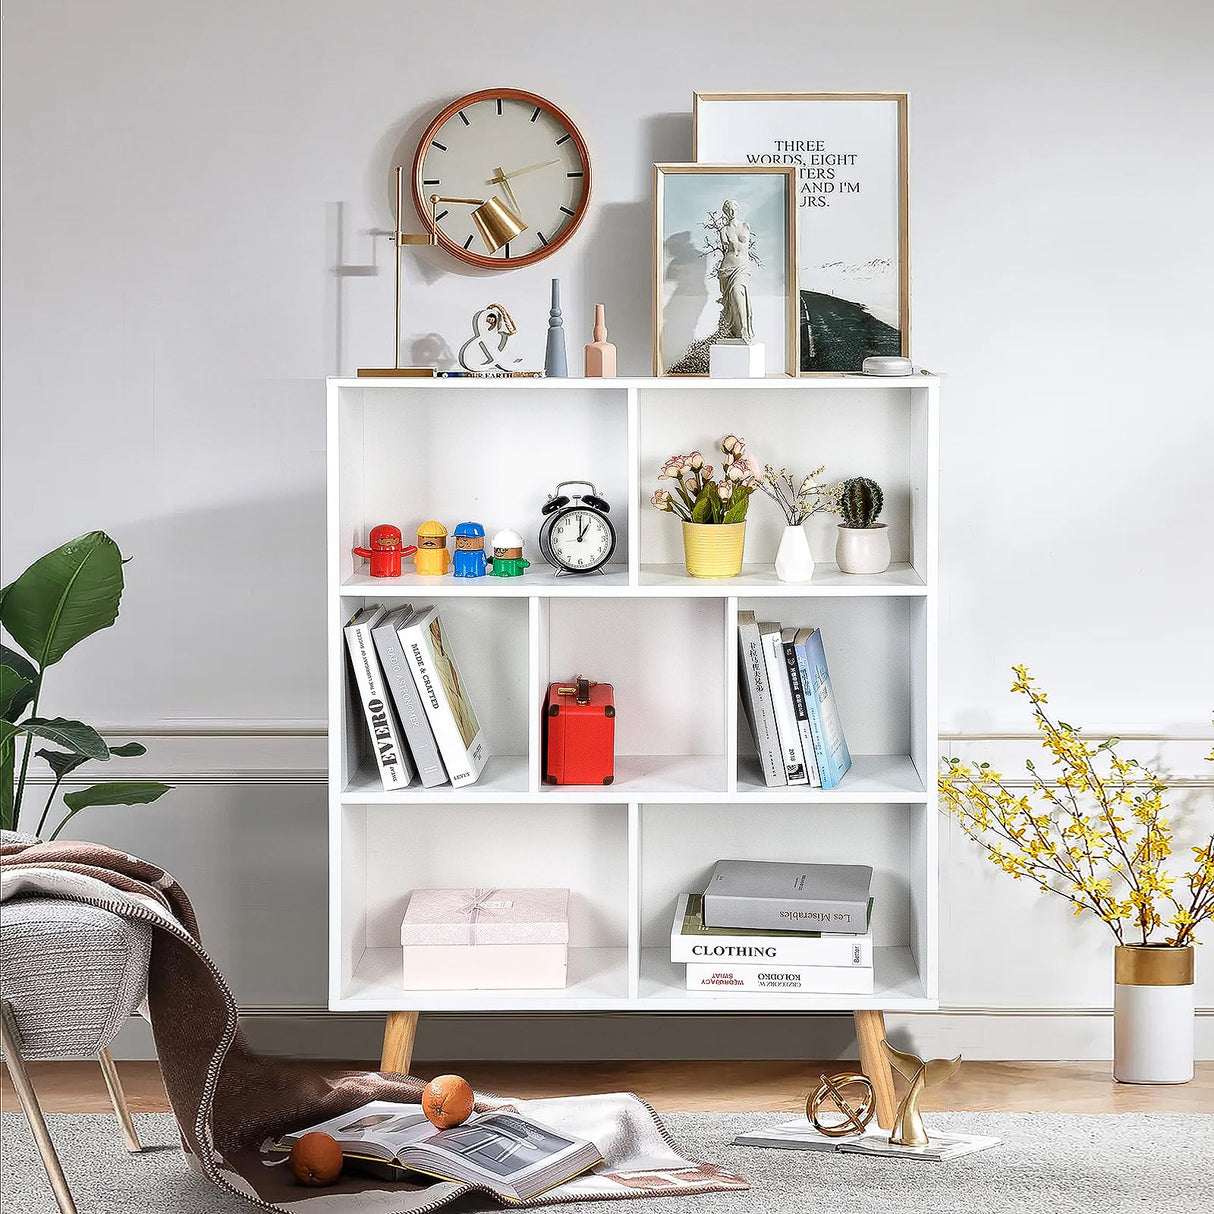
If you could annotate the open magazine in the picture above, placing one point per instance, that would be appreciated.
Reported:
(801, 1135)
(510, 1154)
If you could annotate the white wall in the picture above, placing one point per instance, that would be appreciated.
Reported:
(189, 193)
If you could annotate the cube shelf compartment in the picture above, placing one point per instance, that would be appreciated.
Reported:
(687, 788)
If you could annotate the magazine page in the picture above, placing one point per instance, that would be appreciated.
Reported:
(502, 1148)
(380, 1129)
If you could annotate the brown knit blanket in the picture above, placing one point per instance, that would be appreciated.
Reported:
(230, 1103)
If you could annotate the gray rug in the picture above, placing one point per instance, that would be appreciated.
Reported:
(1049, 1163)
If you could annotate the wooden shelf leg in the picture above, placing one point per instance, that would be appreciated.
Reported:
(399, 1034)
(870, 1031)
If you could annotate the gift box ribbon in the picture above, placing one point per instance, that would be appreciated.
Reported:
(487, 916)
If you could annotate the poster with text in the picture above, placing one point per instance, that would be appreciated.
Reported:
(849, 153)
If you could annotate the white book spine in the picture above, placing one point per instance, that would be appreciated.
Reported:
(790, 979)
(786, 718)
(463, 763)
(394, 767)
(757, 700)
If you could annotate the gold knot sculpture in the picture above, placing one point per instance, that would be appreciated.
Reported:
(908, 1128)
(831, 1091)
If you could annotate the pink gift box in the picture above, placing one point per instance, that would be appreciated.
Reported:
(486, 939)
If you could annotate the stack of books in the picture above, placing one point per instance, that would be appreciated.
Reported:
(790, 704)
(420, 720)
(768, 926)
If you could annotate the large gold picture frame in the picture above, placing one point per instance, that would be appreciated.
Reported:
(900, 102)
(660, 172)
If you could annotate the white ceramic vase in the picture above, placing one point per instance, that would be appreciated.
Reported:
(794, 561)
(862, 549)
(1153, 1014)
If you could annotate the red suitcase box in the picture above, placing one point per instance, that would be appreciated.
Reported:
(579, 733)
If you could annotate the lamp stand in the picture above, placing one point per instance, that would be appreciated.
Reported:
(401, 239)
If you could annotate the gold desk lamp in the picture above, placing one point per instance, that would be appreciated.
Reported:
(494, 221)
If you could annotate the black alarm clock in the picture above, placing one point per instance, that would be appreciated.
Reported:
(576, 535)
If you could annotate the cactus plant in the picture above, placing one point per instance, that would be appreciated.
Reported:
(861, 502)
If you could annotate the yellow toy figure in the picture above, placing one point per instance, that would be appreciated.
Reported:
(432, 557)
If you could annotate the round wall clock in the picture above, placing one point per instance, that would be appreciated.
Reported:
(513, 146)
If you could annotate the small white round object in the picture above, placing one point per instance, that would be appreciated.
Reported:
(886, 364)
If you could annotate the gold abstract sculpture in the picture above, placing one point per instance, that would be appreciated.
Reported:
(831, 1092)
(908, 1128)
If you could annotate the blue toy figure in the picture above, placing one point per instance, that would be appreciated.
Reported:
(469, 558)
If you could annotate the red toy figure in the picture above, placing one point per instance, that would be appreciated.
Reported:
(386, 551)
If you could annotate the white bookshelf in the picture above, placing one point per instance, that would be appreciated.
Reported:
(687, 788)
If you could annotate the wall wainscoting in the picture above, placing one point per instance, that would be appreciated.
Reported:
(245, 832)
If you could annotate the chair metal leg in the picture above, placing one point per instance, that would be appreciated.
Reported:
(113, 1085)
(33, 1110)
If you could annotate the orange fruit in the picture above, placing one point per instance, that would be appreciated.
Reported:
(316, 1159)
(447, 1101)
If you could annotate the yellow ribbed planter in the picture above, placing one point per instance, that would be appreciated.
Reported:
(713, 549)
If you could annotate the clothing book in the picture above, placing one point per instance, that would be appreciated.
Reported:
(693, 941)
(395, 769)
(773, 978)
(511, 1155)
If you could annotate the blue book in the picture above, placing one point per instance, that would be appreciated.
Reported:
(830, 745)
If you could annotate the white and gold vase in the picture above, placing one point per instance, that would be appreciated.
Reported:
(1153, 1013)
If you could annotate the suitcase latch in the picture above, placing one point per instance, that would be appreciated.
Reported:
(581, 689)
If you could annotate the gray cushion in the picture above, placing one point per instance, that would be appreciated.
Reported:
(72, 973)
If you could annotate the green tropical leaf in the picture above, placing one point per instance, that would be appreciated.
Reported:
(117, 793)
(64, 597)
(63, 762)
(18, 680)
(129, 750)
(15, 692)
(75, 736)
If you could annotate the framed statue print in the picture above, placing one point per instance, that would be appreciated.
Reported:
(724, 264)
(849, 153)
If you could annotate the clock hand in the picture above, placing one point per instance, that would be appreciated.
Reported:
(581, 532)
(503, 176)
(501, 180)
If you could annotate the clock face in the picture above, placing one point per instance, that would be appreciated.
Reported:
(581, 539)
(509, 145)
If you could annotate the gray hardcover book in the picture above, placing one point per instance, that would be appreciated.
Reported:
(772, 894)
(404, 695)
(756, 699)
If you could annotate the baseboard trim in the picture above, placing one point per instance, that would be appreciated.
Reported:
(990, 1034)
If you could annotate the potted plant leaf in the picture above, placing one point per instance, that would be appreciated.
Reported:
(59, 601)
(713, 512)
(1096, 835)
(863, 543)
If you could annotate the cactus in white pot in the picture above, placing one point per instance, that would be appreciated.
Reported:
(863, 543)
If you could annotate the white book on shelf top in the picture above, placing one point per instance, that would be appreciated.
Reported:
(383, 730)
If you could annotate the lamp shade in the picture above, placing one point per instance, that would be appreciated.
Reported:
(496, 223)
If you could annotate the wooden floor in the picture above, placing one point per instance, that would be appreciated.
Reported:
(1061, 1087)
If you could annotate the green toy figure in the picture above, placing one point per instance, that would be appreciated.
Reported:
(508, 554)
